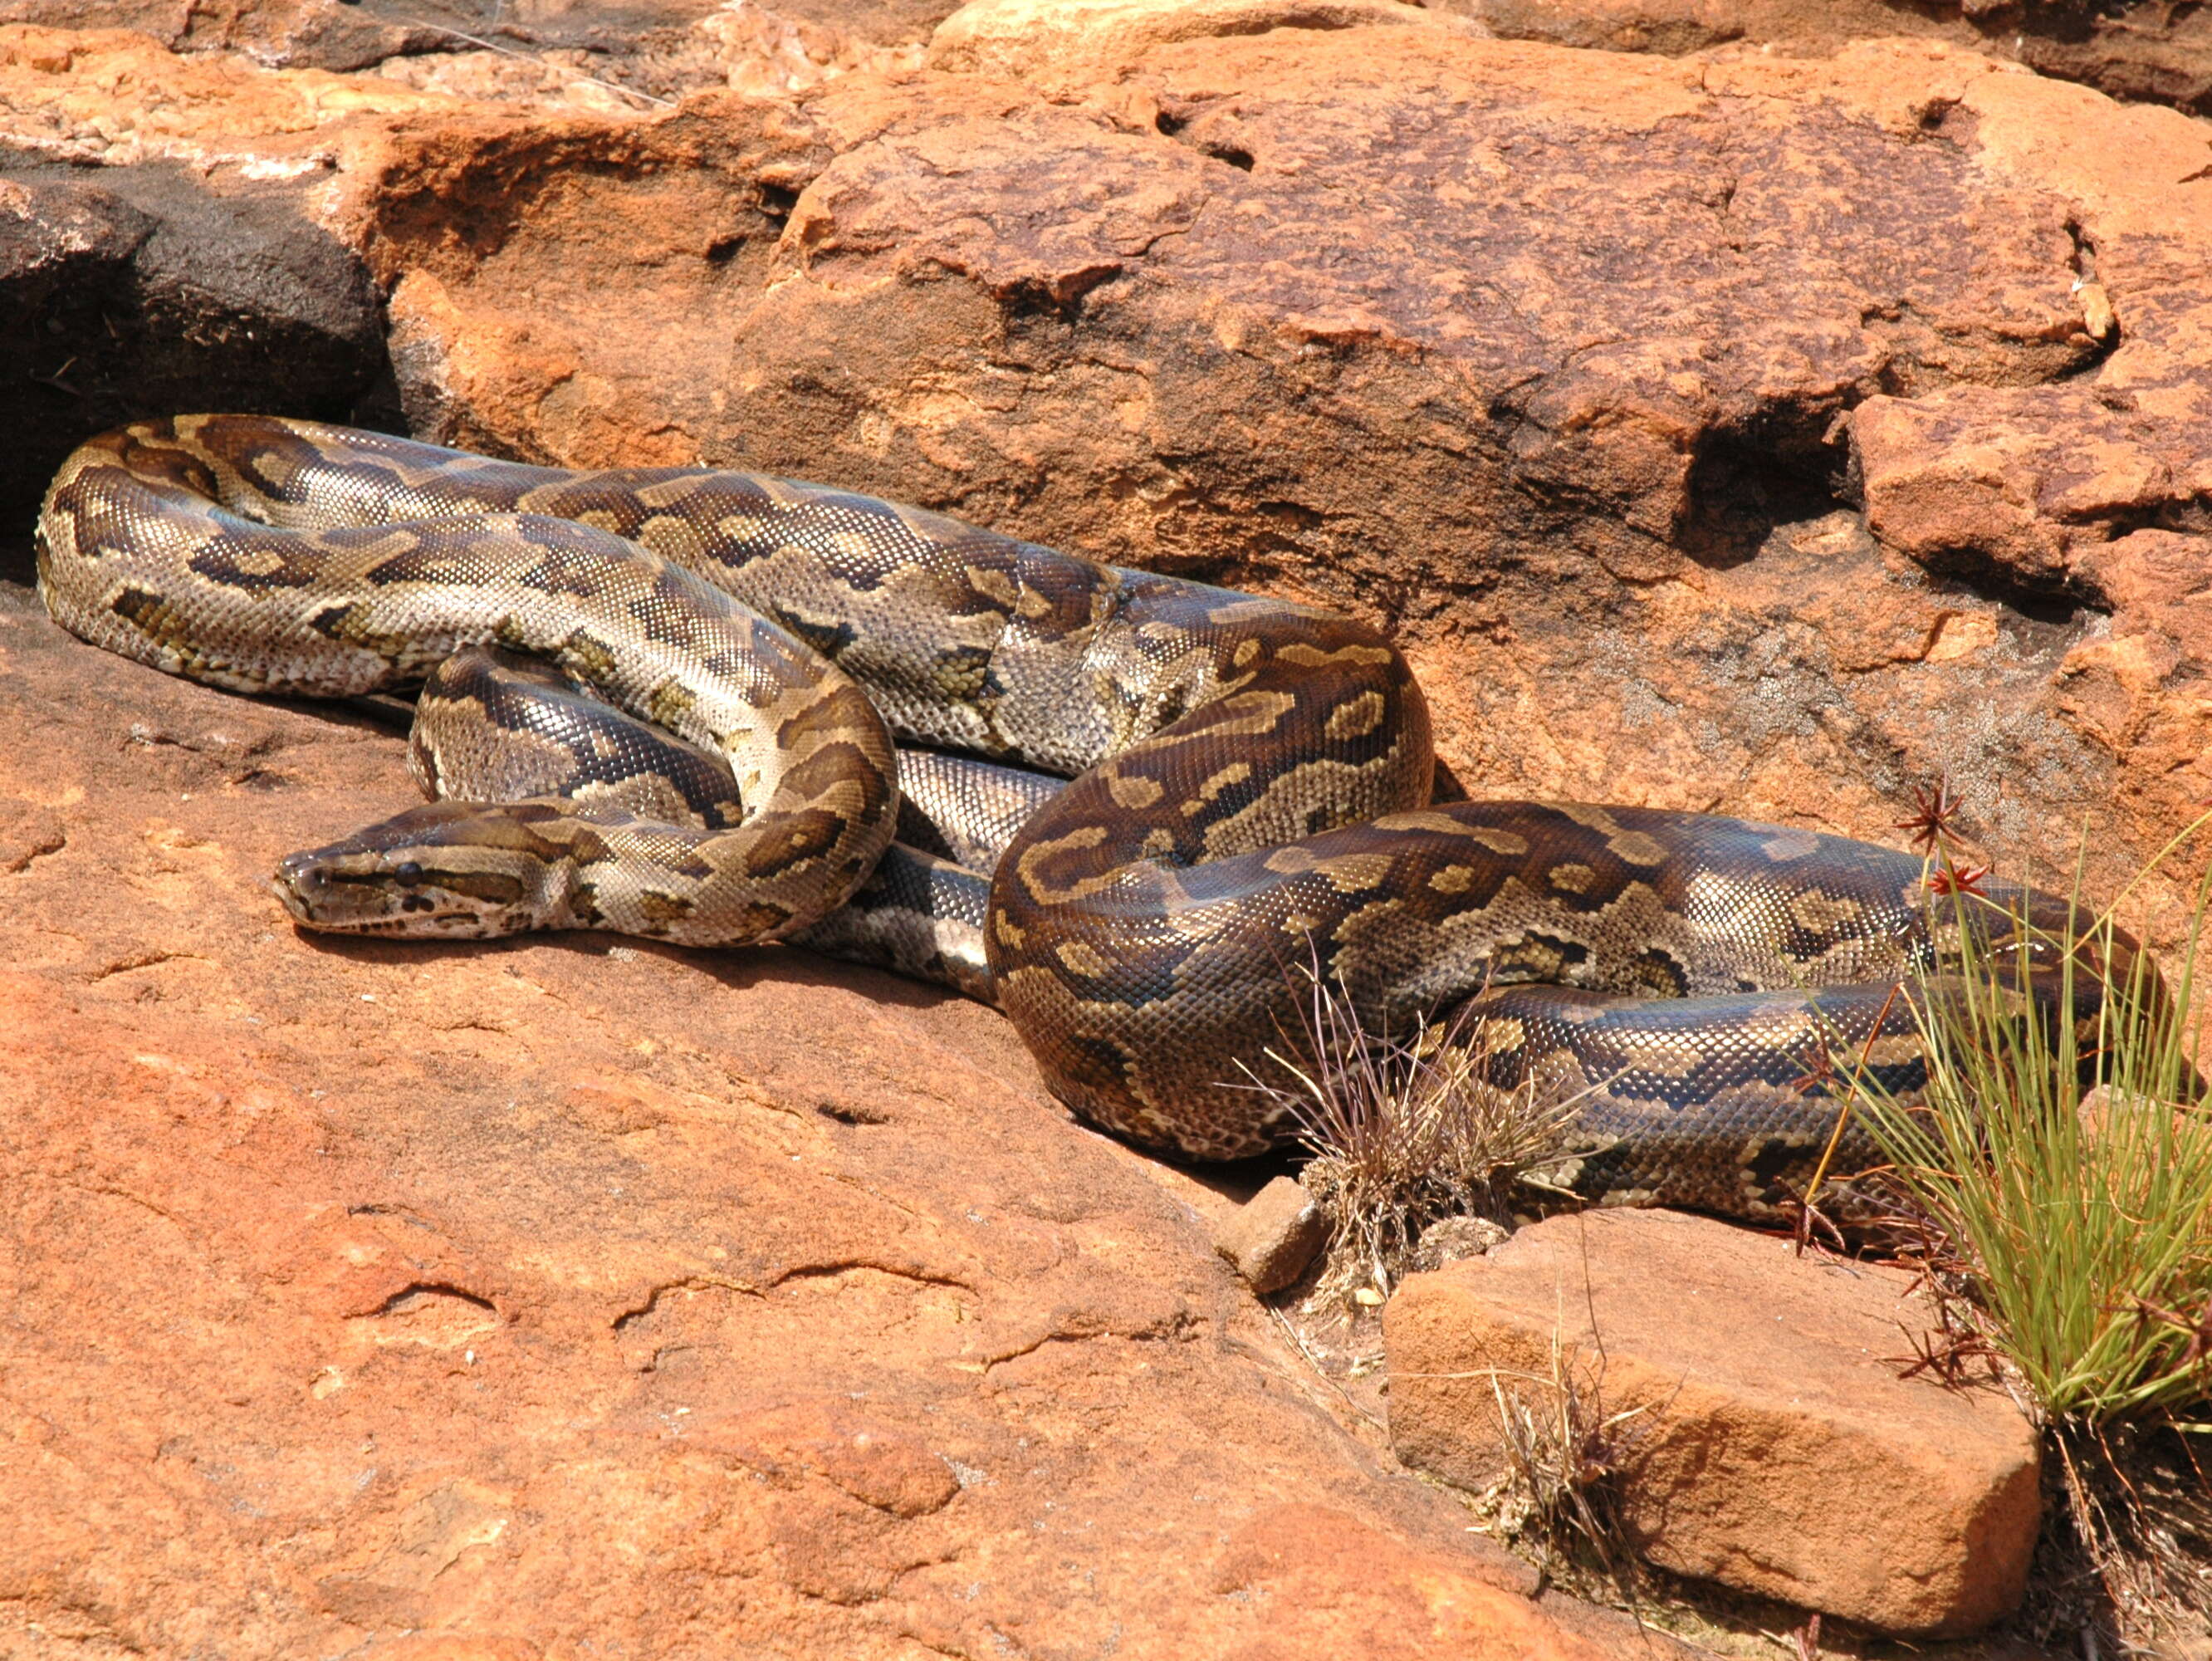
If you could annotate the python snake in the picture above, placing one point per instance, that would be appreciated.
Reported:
(1248, 793)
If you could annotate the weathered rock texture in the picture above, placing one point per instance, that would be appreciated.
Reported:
(190, 268)
(1569, 366)
(631, 55)
(1758, 433)
(325, 34)
(1770, 1442)
(1274, 1238)
(1574, 367)
(2155, 51)
(574, 1298)
(2152, 51)
(138, 289)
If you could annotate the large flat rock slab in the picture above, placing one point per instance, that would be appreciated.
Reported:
(565, 1296)
(1778, 1449)
(2142, 51)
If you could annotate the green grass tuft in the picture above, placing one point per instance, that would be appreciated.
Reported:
(2057, 1167)
(2068, 1164)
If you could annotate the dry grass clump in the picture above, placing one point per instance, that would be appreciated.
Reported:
(1404, 1130)
(2139, 1500)
(1564, 1450)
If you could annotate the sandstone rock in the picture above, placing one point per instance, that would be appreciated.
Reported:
(1778, 1450)
(1623, 1635)
(2146, 51)
(195, 268)
(2157, 51)
(325, 34)
(2087, 491)
(1671, 27)
(1455, 1239)
(2144, 1123)
(116, 97)
(141, 291)
(1651, 403)
(1273, 1239)
(1571, 400)
(586, 57)
(464, 1302)
(577, 53)
(1018, 38)
(1292, 1563)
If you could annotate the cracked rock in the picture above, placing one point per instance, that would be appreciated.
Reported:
(1586, 373)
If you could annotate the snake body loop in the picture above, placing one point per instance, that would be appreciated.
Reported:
(239, 564)
(1248, 793)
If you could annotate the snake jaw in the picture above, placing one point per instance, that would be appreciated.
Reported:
(422, 874)
(331, 893)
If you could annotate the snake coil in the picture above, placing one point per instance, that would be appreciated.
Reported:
(1248, 787)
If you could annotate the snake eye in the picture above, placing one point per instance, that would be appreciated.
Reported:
(409, 875)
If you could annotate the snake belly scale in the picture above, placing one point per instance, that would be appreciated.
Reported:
(1250, 787)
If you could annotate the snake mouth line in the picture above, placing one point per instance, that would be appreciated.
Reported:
(324, 902)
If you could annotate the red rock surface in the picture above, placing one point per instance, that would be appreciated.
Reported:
(1573, 367)
(1756, 432)
(608, 55)
(2152, 51)
(1769, 1441)
(582, 1298)
(1565, 401)
(1274, 1238)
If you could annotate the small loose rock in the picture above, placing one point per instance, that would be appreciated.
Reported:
(1455, 1239)
(1274, 1240)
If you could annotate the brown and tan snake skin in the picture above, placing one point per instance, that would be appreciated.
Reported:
(1249, 796)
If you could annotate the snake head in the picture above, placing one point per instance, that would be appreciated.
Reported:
(449, 870)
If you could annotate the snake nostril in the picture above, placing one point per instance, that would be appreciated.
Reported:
(284, 883)
(298, 879)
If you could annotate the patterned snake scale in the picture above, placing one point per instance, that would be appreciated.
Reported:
(1250, 793)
